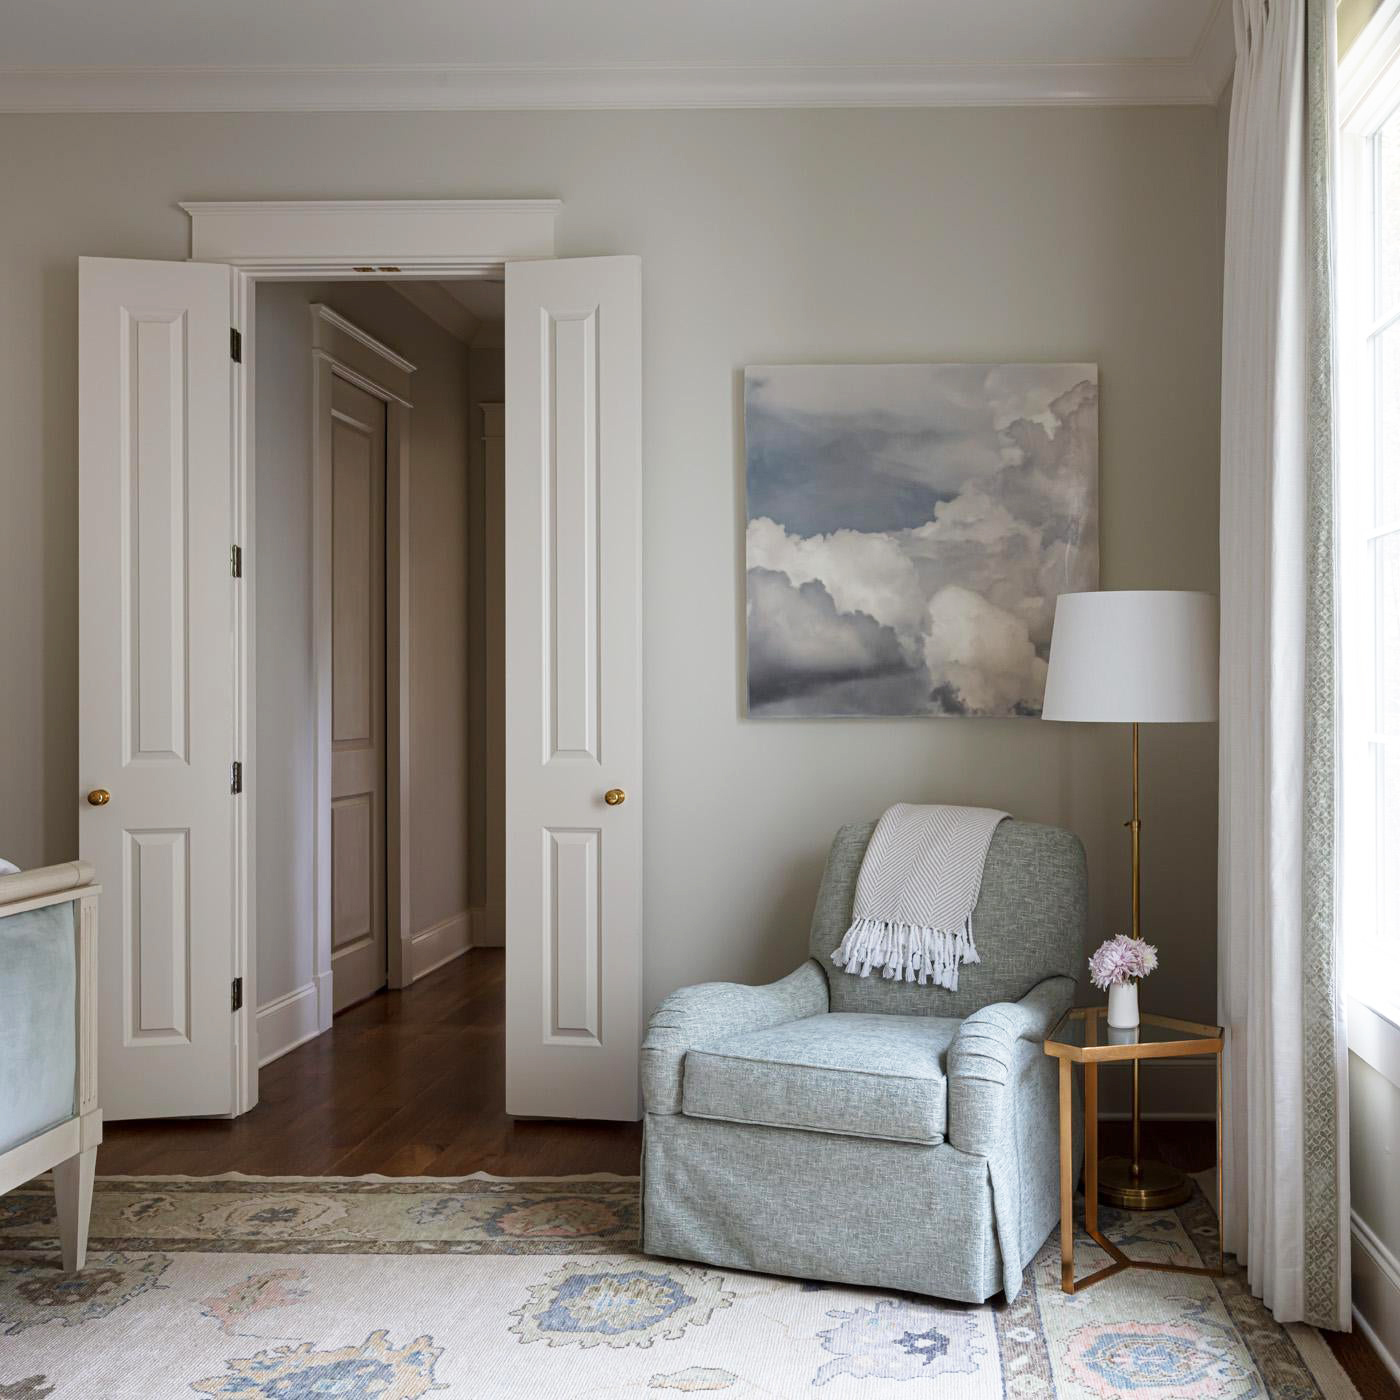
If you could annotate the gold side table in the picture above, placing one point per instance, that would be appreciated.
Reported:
(1084, 1037)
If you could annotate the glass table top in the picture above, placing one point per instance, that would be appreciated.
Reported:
(1084, 1033)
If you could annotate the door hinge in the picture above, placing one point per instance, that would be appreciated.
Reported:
(235, 344)
(235, 560)
(237, 784)
(237, 998)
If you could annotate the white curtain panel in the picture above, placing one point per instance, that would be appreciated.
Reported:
(1287, 1202)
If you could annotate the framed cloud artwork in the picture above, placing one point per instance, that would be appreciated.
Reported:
(909, 529)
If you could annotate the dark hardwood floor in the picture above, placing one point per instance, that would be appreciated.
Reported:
(408, 1083)
(412, 1083)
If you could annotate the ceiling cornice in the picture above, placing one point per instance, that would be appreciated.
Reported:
(1196, 79)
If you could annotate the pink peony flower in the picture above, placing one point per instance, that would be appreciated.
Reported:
(1121, 959)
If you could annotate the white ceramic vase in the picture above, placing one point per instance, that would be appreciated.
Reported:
(1123, 1005)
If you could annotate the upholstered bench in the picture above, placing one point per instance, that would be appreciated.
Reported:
(49, 1116)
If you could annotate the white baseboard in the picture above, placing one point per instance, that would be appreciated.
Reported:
(431, 948)
(325, 999)
(1375, 1290)
(286, 1022)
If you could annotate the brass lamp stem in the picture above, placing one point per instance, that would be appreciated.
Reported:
(1128, 1182)
(1135, 826)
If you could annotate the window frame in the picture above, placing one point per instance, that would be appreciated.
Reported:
(1368, 90)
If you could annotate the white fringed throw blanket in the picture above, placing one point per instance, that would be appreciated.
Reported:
(917, 888)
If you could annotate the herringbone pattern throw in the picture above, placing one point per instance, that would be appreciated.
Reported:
(918, 885)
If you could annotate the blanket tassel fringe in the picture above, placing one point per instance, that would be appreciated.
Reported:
(907, 952)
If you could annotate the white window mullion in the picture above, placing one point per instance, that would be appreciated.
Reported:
(1368, 524)
(1361, 327)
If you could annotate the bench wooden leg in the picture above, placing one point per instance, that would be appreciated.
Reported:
(72, 1186)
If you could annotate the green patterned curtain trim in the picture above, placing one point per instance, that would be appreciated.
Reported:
(1323, 1068)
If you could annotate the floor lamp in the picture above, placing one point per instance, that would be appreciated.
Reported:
(1135, 657)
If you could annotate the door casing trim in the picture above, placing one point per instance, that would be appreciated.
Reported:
(339, 348)
(342, 240)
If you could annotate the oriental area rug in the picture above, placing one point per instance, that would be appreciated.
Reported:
(375, 1288)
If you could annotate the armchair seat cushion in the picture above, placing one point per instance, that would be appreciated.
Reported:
(856, 1074)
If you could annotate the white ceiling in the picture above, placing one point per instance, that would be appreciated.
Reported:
(482, 297)
(472, 309)
(345, 54)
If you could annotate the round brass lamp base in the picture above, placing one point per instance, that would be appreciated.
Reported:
(1156, 1186)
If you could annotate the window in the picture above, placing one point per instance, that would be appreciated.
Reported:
(1368, 303)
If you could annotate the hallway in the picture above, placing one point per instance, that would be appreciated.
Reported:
(408, 1083)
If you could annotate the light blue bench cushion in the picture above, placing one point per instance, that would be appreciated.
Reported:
(38, 1025)
(859, 1075)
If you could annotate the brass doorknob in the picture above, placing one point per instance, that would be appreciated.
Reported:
(614, 797)
(99, 797)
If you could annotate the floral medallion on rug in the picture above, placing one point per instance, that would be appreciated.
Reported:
(375, 1288)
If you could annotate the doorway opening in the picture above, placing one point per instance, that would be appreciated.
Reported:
(175, 720)
(379, 514)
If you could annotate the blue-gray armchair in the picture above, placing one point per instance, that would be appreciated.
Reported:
(868, 1131)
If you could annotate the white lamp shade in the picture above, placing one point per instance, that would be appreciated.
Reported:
(1145, 657)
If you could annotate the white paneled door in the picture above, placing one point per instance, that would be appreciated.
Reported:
(573, 688)
(156, 671)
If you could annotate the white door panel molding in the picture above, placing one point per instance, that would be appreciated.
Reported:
(573, 688)
(156, 669)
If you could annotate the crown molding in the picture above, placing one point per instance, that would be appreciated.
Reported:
(1194, 80)
(329, 331)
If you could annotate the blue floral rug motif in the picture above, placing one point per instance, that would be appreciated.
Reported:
(374, 1370)
(625, 1304)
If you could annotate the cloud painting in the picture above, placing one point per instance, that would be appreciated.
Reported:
(909, 529)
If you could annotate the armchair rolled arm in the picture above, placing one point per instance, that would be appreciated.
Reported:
(702, 1014)
(982, 1062)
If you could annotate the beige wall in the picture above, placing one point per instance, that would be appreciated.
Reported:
(1375, 1172)
(767, 236)
(280, 570)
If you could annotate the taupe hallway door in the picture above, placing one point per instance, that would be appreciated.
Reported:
(359, 938)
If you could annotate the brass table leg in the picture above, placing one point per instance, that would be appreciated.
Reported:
(1118, 1261)
(1066, 1177)
(1091, 1182)
(1220, 1149)
(1091, 1148)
